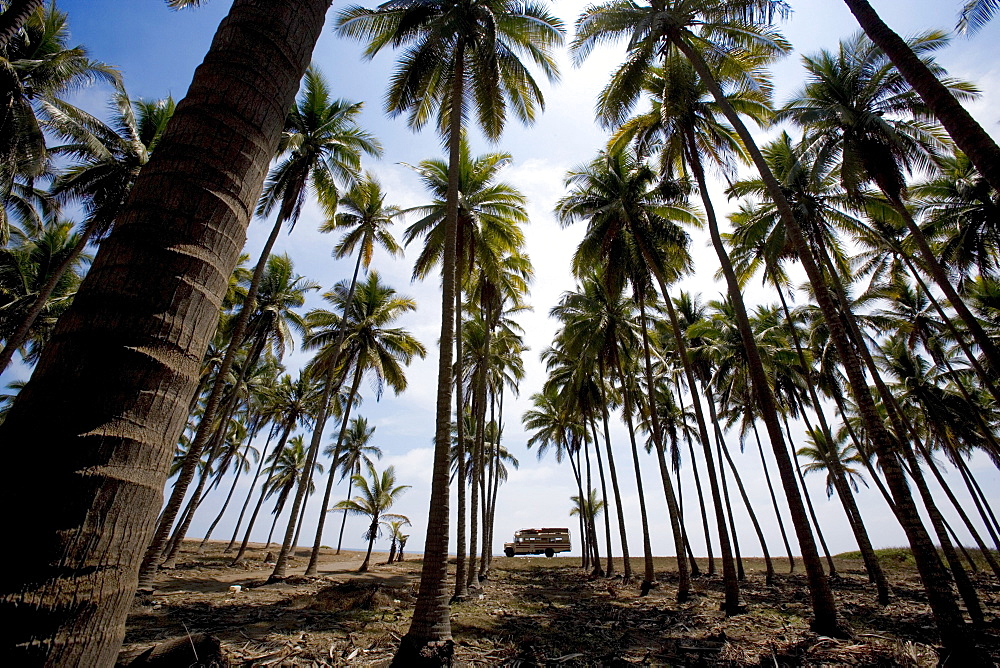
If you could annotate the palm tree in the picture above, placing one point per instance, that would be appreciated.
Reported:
(373, 501)
(129, 362)
(289, 464)
(939, 98)
(354, 452)
(489, 240)
(454, 46)
(725, 25)
(31, 268)
(38, 65)
(111, 158)
(975, 14)
(372, 346)
(856, 103)
(395, 528)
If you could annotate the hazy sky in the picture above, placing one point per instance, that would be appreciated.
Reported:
(157, 50)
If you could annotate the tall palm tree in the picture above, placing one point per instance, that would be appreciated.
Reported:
(355, 451)
(373, 347)
(375, 498)
(939, 98)
(288, 465)
(455, 49)
(115, 354)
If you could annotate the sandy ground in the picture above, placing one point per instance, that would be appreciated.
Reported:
(534, 611)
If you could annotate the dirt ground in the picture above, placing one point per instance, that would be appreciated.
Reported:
(536, 611)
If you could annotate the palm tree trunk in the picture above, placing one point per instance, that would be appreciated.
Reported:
(604, 496)
(127, 351)
(343, 521)
(312, 566)
(253, 484)
(963, 128)
(774, 499)
(626, 560)
(372, 531)
(14, 17)
(808, 498)
(649, 575)
(595, 544)
(740, 572)
(954, 633)
(585, 553)
(824, 606)
(430, 628)
(730, 579)
(683, 573)
(461, 577)
(982, 505)
(697, 484)
(285, 433)
(937, 272)
(20, 335)
(768, 564)
(225, 504)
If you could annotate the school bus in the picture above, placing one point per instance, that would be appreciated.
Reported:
(546, 541)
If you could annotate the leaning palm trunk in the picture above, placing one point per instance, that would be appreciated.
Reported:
(683, 573)
(286, 431)
(824, 607)
(128, 350)
(730, 517)
(768, 563)
(311, 567)
(698, 489)
(974, 141)
(20, 335)
(155, 550)
(225, 504)
(774, 499)
(951, 625)
(730, 579)
(253, 485)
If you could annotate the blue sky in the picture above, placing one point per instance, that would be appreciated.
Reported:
(157, 50)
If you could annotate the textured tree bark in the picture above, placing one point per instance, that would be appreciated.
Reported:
(974, 141)
(14, 18)
(124, 361)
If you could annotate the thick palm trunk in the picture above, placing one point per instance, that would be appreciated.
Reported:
(14, 17)
(683, 574)
(963, 128)
(626, 561)
(154, 552)
(428, 639)
(954, 633)
(824, 607)
(285, 433)
(129, 349)
(20, 335)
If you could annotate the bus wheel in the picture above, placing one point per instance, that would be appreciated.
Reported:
(549, 553)
(509, 551)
